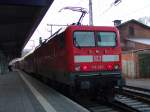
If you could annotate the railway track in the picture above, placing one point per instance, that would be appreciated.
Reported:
(96, 105)
(136, 98)
(118, 105)
(130, 100)
(134, 104)
(138, 93)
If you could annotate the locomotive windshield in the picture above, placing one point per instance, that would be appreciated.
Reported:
(84, 39)
(91, 39)
(106, 39)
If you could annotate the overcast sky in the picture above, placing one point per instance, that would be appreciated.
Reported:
(103, 14)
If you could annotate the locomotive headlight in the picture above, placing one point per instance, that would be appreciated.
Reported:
(109, 67)
(84, 67)
(77, 67)
(116, 67)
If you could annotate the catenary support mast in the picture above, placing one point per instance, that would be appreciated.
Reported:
(90, 13)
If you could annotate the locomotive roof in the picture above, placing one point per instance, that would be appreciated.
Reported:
(86, 27)
(59, 31)
(75, 27)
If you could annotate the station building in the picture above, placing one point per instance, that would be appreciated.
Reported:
(135, 43)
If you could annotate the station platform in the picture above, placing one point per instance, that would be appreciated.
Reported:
(142, 83)
(21, 93)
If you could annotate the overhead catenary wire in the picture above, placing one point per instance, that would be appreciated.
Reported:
(115, 3)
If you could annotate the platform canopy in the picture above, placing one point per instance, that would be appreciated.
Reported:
(18, 21)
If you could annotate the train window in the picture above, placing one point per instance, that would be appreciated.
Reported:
(84, 39)
(106, 38)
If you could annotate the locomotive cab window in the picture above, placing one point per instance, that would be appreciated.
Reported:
(84, 39)
(106, 39)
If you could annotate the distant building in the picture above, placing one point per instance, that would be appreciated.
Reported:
(135, 43)
(134, 35)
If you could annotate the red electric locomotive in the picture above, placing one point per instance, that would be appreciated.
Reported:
(80, 57)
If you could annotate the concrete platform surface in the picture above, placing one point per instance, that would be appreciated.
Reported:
(142, 83)
(15, 96)
(21, 93)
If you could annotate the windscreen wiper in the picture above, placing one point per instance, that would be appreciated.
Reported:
(76, 43)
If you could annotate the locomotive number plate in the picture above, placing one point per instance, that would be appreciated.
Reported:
(97, 58)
